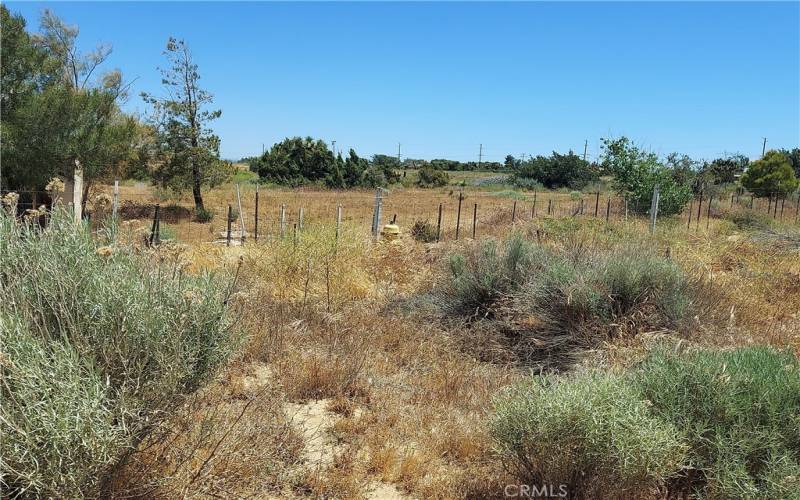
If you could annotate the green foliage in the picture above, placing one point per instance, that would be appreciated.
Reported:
(296, 161)
(578, 296)
(591, 432)
(637, 172)
(738, 412)
(186, 150)
(793, 155)
(203, 215)
(725, 170)
(483, 276)
(556, 171)
(706, 424)
(98, 344)
(54, 116)
(770, 176)
(430, 177)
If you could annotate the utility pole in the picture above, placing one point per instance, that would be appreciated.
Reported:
(585, 148)
(398, 153)
(764, 147)
(480, 156)
(333, 146)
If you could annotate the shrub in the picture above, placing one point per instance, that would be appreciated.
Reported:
(550, 301)
(423, 231)
(100, 342)
(704, 424)
(592, 433)
(556, 171)
(739, 413)
(203, 215)
(430, 177)
(483, 275)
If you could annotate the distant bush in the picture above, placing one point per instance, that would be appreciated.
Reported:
(748, 219)
(556, 171)
(423, 231)
(592, 433)
(430, 177)
(98, 344)
(705, 424)
(636, 173)
(577, 297)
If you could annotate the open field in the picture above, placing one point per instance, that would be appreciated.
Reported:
(350, 384)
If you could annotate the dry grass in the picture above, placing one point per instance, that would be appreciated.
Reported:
(408, 404)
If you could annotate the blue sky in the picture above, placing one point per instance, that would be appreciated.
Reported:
(698, 78)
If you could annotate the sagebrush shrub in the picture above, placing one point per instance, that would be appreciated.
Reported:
(705, 424)
(740, 412)
(590, 432)
(549, 298)
(103, 341)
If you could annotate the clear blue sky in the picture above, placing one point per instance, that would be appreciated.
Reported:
(698, 78)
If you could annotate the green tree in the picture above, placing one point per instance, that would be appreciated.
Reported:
(636, 173)
(296, 161)
(187, 149)
(794, 158)
(772, 175)
(55, 116)
(556, 171)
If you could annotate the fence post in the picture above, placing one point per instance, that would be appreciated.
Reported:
(255, 227)
(608, 209)
(300, 219)
(533, 210)
(783, 202)
(153, 227)
(549, 206)
(241, 214)
(474, 219)
(708, 210)
(596, 203)
(513, 212)
(699, 211)
(691, 209)
(654, 208)
(338, 221)
(283, 220)
(458, 213)
(439, 224)
(228, 233)
(376, 214)
(115, 201)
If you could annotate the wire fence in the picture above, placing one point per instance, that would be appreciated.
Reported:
(457, 213)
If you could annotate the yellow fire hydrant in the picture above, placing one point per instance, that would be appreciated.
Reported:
(390, 232)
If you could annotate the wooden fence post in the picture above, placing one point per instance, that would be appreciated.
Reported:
(596, 203)
(300, 219)
(608, 209)
(439, 224)
(513, 211)
(228, 233)
(533, 210)
(338, 221)
(255, 225)
(458, 214)
(708, 210)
